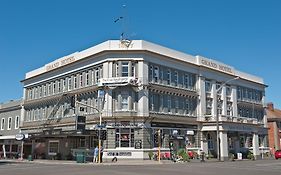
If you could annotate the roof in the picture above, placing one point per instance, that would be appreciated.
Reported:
(273, 114)
(141, 45)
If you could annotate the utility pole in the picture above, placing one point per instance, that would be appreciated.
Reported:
(159, 145)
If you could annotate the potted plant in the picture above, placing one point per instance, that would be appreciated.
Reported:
(150, 155)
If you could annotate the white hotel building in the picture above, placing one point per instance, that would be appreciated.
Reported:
(147, 87)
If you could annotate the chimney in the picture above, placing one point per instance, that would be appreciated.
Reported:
(270, 106)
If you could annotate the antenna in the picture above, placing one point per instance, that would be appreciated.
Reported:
(124, 38)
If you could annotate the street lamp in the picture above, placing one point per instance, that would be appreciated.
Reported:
(217, 119)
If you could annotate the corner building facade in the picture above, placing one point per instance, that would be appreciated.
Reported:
(146, 88)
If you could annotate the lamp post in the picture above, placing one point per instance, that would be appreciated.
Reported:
(217, 120)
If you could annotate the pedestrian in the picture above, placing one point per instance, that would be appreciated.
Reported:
(96, 154)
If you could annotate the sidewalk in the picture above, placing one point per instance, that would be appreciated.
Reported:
(108, 162)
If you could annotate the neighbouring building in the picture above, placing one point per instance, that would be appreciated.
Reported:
(274, 124)
(140, 88)
(10, 113)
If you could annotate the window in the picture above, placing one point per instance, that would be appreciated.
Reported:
(64, 85)
(125, 69)
(176, 104)
(133, 69)
(156, 74)
(81, 80)
(176, 78)
(59, 86)
(228, 91)
(210, 142)
(9, 123)
(168, 77)
(87, 79)
(53, 147)
(169, 103)
(69, 83)
(54, 87)
(124, 100)
(218, 88)
(208, 86)
(75, 82)
(187, 107)
(124, 137)
(209, 104)
(17, 122)
(2, 123)
(44, 90)
(97, 75)
(186, 80)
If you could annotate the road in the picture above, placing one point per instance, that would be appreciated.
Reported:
(260, 167)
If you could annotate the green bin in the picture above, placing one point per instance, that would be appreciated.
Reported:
(80, 157)
(29, 158)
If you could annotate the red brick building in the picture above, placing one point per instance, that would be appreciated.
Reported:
(274, 124)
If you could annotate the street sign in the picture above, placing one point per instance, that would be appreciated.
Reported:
(101, 93)
(101, 126)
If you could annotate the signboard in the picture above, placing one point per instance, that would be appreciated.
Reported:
(121, 153)
(20, 136)
(138, 144)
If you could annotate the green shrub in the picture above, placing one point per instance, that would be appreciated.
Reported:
(184, 155)
(150, 155)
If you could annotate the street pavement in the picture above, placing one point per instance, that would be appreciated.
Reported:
(147, 167)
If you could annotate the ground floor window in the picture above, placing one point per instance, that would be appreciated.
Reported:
(124, 137)
(53, 147)
(210, 142)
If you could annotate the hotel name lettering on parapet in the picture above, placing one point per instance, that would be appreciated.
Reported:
(60, 63)
(216, 66)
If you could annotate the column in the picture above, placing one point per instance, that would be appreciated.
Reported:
(234, 101)
(223, 97)
(214, 95)
(143, 108)
(256, 150)
(223, 145)
(108, 102)
(201, 106)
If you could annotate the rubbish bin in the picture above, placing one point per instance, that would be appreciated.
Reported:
(30, 158)
(80, 157)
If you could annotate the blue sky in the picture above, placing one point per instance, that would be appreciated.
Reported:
(245, 34)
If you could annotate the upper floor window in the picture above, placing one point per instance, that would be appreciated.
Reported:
(125, 69)
(156, 74)
(168, 77)
(87, 79)
(64, 85)
(2, 123)
(186, 80)
(54, 87)
(81, 80)
(218, 88)
(124, 100)
(69, 83)
(208, 86)
(9, 123)
(75, 82)
(59, 86)
(176, 78)
(133, 69)
(228, 90)
(17, 122)
(97, 75)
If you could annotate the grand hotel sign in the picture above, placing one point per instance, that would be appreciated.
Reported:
(214, 65)
(59, 63)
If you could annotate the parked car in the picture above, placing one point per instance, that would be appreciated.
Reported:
(277, 154)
